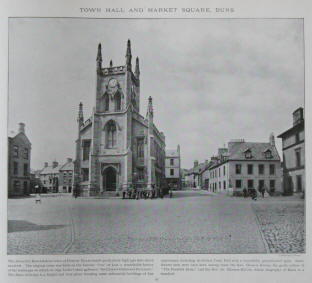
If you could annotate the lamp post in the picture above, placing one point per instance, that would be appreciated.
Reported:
(76, 180)
(135, 179)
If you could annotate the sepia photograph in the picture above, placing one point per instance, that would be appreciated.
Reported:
(156, 136)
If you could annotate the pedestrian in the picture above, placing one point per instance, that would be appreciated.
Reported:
(249, 192)
(170, 192)
(38, 198)
(245, 192)
(262, 192)
(254, 194)
(153, 191)
(158, 192)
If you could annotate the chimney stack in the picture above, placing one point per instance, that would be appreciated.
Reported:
(46, 164)
(195, 163)
(54, 164)
(272, 140)
(21, 128)
(69, 160)
(297, 116)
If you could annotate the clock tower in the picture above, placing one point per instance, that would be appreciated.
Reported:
(117, 146)
(117, 98)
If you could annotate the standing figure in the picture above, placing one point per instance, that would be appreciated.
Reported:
(254, 194)
(262, 192)
(38, 198)
(245, 192)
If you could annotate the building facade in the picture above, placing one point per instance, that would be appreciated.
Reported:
(294, 155)
(193, 176)
(246, 165)
(173, 168)
(66, 177)
(19, 153)
(35, 183)
(49, 177)
(117, 147)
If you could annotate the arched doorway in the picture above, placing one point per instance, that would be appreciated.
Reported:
(109, 179)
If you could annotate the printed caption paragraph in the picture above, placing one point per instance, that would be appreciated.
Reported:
(171, 267)
(146, 267)
(81, 267)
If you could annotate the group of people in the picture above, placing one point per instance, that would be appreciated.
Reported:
(140, 193)
(252, 192)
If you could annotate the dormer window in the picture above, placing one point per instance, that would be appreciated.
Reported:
(268, 154)
(248, 154)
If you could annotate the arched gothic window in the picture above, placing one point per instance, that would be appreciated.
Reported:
(106, 102)
(117, 102)
(140, 147)
(110, 133)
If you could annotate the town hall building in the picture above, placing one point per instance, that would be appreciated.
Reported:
(117, 147)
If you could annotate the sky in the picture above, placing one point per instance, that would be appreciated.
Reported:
(212, 80)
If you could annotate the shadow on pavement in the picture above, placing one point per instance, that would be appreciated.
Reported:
(23, 226)
(186, 194)
(21, 197)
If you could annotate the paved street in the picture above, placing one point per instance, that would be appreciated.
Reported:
(191, 222)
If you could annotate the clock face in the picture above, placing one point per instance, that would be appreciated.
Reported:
(112, 83)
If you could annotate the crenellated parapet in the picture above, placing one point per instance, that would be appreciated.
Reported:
(117, 70)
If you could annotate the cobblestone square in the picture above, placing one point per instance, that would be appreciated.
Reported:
(282, 225)
(190, 222)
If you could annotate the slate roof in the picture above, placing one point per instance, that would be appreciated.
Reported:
(198, 169)
(172, 153)
(237, 151)
(13, 135)
(50, 170)
(67, 166)
(35, 172)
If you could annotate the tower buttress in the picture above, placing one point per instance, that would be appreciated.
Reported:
(137, 68)
(128, 56)
(99, 59)
(80, 115)
(150, 145)
(78, 151)
(150, 112)
(99, 78)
